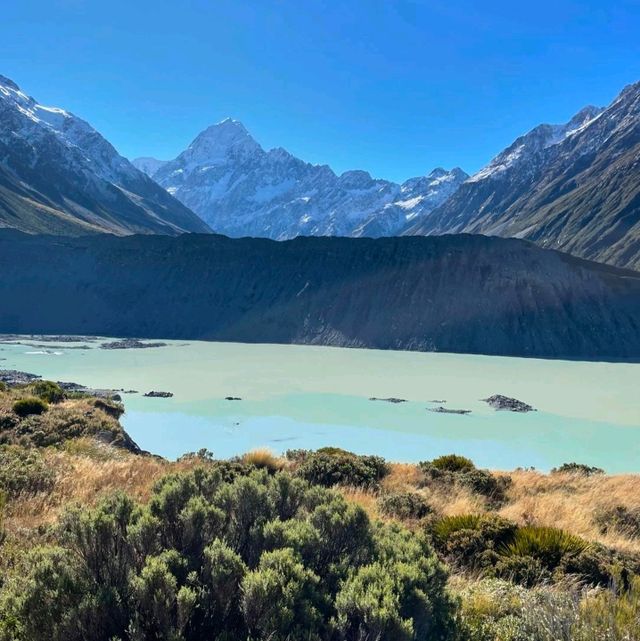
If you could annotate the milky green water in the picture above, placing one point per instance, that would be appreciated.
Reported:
(308, 397)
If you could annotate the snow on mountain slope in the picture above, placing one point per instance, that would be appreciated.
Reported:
(240, 189)
(59, 175)
(538, 139)
(574, 187)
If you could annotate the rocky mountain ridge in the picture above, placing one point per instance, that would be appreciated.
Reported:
(461, 293)
(574, 187)
(240, 189)
(59, 175)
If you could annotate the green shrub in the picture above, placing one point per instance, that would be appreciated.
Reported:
(263, 556)
(48, 391)
(23, 471)
(482, 482)
(297, 456)
(333, 466)
(203, 455)
(495, 610)
(453, 469)
(29, 406)
(109, 407)
(472, 541)
(597, 565)
(3, 386)
(619, 520)
(524, 570)
(451, 463)
(548, 545)
(399, 596)
(404, 505)
(577, 468)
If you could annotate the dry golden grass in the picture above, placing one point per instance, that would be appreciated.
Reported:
(566, 501)
(570, 501)
(263, 457)
(449, 501)
(402, 477)
(366, 499)
(86, 473)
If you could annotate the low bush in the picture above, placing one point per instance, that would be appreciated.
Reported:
(261, 557)
(404, 505)
(472, 541)
(495, 610)
(23, 471)
(334, 466)
(527, 555)
(619, 520)
(577, 468)
(453, 469)
(29, 406)
(489, 485)
(523, 570)
(48, 391)
(452, 463)
(203, 455)
(109, 407)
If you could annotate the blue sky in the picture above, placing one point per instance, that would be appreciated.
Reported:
(394, 87)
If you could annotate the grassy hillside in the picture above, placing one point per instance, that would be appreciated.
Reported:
(101, 541)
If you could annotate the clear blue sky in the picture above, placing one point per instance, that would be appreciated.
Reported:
(394, 87)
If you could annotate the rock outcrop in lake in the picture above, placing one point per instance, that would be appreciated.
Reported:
(445, 410)
(130, 343)
(500, 402)
(464, 293)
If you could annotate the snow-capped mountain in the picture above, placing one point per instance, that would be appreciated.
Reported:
(574, 187)
(240, 189)
(59, 175)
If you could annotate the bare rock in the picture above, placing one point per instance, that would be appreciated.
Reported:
(499, 402)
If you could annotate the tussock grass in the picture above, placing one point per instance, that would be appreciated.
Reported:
(546, 542)
(571, 502)
(83, 473)
(264, 458)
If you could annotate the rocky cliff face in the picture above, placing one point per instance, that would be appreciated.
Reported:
(240, 189)
(450, 293)
(59, 175)
(574, 187)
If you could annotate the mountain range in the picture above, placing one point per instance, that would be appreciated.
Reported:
(459, 293)
(240, 189)
(59, 175)
(574, 187)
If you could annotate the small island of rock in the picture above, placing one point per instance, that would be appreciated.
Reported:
(130, 343)
(499, 402)
(154, 394)
(444, 410)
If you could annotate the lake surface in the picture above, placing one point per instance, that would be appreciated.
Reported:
(308, 397)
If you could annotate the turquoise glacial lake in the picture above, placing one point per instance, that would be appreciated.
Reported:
(308, 397)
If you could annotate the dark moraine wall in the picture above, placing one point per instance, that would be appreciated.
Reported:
(459, 293)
